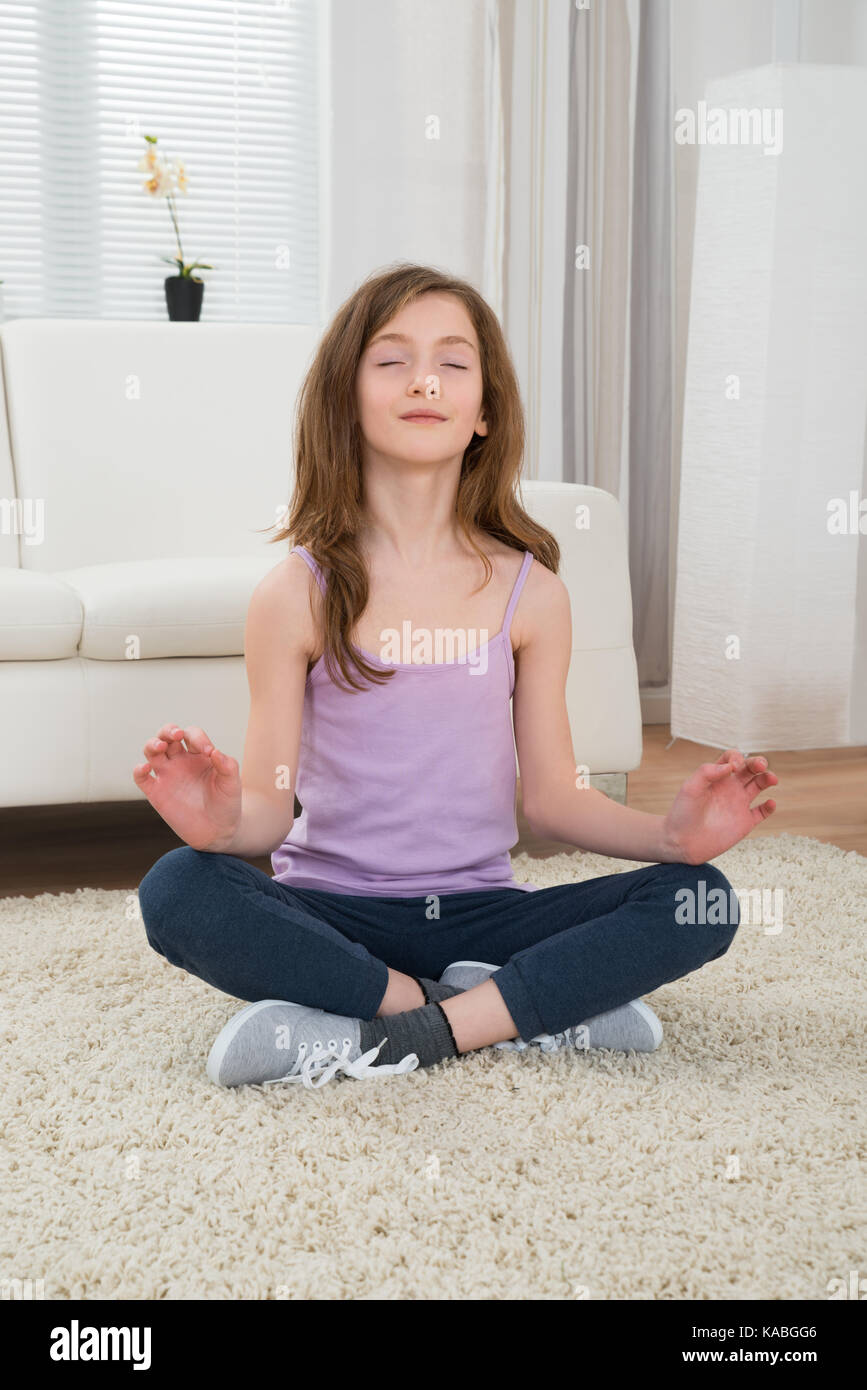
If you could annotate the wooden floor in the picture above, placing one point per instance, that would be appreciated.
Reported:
(56, 849)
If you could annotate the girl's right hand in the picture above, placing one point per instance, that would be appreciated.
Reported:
(196, 790)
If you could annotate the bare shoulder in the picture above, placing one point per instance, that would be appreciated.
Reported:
(285, 600)
(543, 607)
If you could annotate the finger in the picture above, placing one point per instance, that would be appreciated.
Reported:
(760, 813)
(155, 749)
(753, 765)
(168, 735)
(760, 782)
(744, 768)
(142, 775)
(725, 757)
(732, 757)
(166, 744)
(169, 731)
(224, 766)
(715, 772)
(196, 738)
(172, 734)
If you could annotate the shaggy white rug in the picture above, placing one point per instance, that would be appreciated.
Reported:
(725, 1165)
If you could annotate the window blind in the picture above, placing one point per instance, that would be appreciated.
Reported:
(232, 89)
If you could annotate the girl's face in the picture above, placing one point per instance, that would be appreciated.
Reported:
(425, 358)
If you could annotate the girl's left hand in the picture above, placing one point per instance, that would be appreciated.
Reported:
(711, 812)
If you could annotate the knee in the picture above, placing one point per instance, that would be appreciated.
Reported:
(705, 900)
(162, 891)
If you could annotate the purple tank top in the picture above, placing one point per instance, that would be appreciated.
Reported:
(408, 788)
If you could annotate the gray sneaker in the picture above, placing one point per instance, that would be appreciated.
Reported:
(632, 1027)
(273, 1040)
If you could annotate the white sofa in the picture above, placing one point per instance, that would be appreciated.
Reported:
(141, 464)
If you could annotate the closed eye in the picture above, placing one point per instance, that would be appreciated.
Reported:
(458, 365)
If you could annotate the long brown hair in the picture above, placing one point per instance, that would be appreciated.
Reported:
(326, 509)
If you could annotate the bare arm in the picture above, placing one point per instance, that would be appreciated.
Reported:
(278, 641)
(554, 806)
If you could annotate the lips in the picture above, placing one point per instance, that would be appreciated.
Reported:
(422, 415)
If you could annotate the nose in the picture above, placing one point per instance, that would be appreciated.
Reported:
(430, 386)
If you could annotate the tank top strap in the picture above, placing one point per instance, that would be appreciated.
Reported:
(311, 563)
(516, 591)
(513, 598)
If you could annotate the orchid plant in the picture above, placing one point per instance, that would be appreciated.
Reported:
(165, 179)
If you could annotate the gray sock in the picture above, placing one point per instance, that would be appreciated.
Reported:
(434, 992)
(425, 1031)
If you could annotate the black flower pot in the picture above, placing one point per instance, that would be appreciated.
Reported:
(184, 297)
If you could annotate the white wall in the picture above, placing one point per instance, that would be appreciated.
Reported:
(395, 193)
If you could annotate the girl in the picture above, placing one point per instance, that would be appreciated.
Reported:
(381, 666)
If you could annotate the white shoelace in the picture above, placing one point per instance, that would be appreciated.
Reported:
(323, 1062)
(550, 1042)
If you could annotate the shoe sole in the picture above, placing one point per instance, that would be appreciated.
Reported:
(224, 1040)
(641, 1008)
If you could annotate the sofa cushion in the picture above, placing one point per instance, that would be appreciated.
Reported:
(40, 616)
(140, 609)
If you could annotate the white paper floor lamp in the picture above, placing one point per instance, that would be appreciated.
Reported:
(770, 627)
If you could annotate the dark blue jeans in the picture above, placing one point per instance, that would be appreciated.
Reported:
(567, 953)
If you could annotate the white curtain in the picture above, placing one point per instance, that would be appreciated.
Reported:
(770, 637)
(589, 283)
